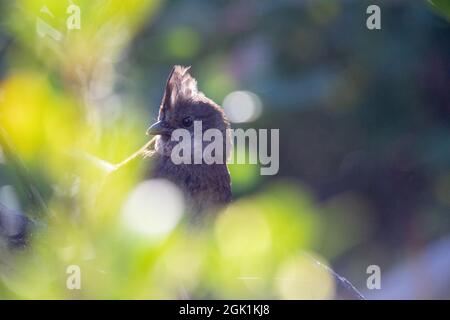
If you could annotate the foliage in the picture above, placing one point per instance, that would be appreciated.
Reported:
(364, 128)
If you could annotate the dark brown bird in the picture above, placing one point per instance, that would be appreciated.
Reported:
(205, 186)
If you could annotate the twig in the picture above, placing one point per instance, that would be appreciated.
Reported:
(346, 285)
(108, 167)
(144, 151)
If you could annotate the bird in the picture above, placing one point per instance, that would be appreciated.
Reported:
(206, 187)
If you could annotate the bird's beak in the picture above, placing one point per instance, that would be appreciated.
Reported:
(159, 128)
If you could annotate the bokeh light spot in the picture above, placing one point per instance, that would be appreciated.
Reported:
(242, 231)
(153, 208)
(304, 277)
(242, 106)
(183, 43)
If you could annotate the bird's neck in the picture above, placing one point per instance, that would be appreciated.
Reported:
(204, 185)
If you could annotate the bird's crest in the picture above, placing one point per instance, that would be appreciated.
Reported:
(180, 86)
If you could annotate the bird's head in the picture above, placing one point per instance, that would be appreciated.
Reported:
(181, 106)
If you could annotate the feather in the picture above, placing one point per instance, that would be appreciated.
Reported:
(179, 86)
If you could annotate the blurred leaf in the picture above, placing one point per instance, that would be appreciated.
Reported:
(182, 43)
(441, 6)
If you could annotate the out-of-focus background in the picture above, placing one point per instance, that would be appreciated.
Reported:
(364, 119)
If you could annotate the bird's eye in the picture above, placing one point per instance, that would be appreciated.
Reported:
(187, 122)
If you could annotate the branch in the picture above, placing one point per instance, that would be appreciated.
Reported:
(144, 151)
